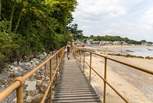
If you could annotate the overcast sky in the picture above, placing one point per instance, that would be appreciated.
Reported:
(127, 18)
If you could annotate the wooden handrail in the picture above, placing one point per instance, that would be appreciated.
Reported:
(51, 82)
(9, 90)
(118, 61)
(19, 82)
(106, 82)
(77, 51)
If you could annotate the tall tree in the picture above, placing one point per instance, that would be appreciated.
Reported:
(34, 26)
(0, 9)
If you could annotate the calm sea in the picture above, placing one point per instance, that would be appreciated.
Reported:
(139, 51)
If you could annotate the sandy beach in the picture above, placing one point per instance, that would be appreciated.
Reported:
(135, 86)
(133, 50)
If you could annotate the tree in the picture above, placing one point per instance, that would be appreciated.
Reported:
(77, 34)
(0, 9)
(34, 26)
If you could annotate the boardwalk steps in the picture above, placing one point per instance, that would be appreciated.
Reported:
(72, 86)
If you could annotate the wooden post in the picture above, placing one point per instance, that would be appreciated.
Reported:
(50, 96)
(20, 94)
(90, 67)
(105, 77)
(80, 57)
(45, 69)
(84, 62)
(56, 61)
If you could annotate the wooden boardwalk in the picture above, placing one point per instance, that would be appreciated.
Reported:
(72, 86)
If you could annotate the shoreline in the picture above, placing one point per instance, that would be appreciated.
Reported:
(118, 50)
(125, 46)
(132, 56)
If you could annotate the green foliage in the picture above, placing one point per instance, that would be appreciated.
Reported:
(114, 38)
(33, 26)
(77, 34)
(2, 61)
(7, 45)
(4, 26)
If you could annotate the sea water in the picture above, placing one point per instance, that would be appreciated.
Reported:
(143, 51)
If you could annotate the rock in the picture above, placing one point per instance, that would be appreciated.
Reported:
(39, 82)
(44, 53)
(33, 63)
(14, 100)
(42, 56)
(33, 78)
(47, 78)
(15, 71)
(31, 85)
(18, 73)
(29, 99)
(38, 77)
(42, 86)
(26, 65)
(37, 98)
(35, 60)
(15, 63)
(2, 87)
(12, 75)
(13, 68)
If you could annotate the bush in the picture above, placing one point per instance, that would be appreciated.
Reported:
(7, 45)
(2, 62)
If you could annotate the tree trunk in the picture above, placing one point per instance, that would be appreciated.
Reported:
(18, 22)
(0, 9)
(11, 19)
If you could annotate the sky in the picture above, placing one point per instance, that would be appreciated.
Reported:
(126, 18)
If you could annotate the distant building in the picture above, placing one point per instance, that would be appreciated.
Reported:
(106, 43)
(124, 43)
(101, 43)
(89, 42)
(119, 43)
(95, 42)
(147, 43)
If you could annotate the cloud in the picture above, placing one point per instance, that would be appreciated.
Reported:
(99, 7)
(148, 16)
(130, 18)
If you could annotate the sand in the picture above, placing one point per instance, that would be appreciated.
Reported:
(116, 49)
(135, 86)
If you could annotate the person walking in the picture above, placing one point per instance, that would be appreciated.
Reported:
(68, 51)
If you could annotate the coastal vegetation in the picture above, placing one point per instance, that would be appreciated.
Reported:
(30, 27)
(112, 39)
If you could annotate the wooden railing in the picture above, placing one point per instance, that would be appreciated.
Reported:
(18, 84)
(79, 53)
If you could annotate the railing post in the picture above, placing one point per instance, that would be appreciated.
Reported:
(20, 90)
(56, 60)
(20, 94)
(90, 67)
(73, 51)
(105, 77)
(45, 69)
(80, 56)
(50, 98)
(84, 62)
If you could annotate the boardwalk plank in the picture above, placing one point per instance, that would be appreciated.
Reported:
(72, 86)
